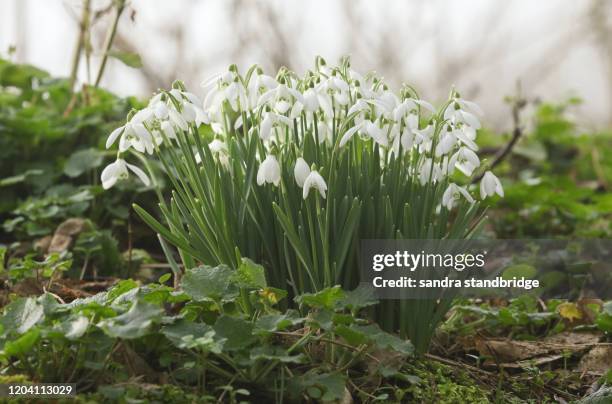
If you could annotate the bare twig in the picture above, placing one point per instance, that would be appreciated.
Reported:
(518, 103)
(110, 36)
(83, 27)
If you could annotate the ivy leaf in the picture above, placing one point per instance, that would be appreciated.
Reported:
(81, 161)
(130, 59)
(327, 298)
(251, 275)
(134, 323)
(22, 314)
(237, 332)
(205, 282)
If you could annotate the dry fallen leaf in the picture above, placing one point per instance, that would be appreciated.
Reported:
(597, 361)
(510, 353)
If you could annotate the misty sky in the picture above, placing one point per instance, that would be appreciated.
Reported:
(481, 47)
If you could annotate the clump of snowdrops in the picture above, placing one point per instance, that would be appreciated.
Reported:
(293, 172)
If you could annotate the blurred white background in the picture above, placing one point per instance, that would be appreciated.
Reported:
(555, 48)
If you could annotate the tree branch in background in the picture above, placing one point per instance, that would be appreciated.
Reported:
(518, 103)
(83, 27)
(119, 7)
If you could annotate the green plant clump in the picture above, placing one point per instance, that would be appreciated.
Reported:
(298, 170)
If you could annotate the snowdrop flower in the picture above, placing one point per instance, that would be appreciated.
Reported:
(377, 133)
(177, 119)
(423, 138)
(466, 160)
(259, 84)
(452, 195)
(408, 110)
(349, 133)
(219, 149)
(469, 106)
(270, 121)
(225, 87)
(160, 109)
(490, 185)
(168, 129)
(301, 171)
(338, 89)
(448, 140)
(269, 171)
(361, 107)
(119, 171)
(314, 180)
(324, 131)
(466, 135)
(280, 99)
(311, 100)
(429, 172)
(459, 116)
(132, 135)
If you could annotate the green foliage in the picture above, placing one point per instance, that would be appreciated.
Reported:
(19, 269)
(522, 318)
(218, 213)
(205, 335)
(561, 180)
(50, 156)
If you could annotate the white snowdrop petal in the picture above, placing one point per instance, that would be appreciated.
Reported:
(139, 173)
(301, 171)
(113, 136)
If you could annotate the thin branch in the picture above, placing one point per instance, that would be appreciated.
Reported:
(83, 26)
(120, 6)
(518, 103)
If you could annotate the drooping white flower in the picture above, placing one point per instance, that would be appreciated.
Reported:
(301, 171)
(446, 143)
(316, 181)
(168, 129)
(459, 116)
(452, 195)
(118, 170)
(177, 119)
(258, 84)
(269, 171)
(218, 148)
(350, 132)
(132, 135)
(466, 135)
(490, 185)
(430, 171)
(311, 100)
(466, 160)
(281, 98)
(269, 122)
(377, 133)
